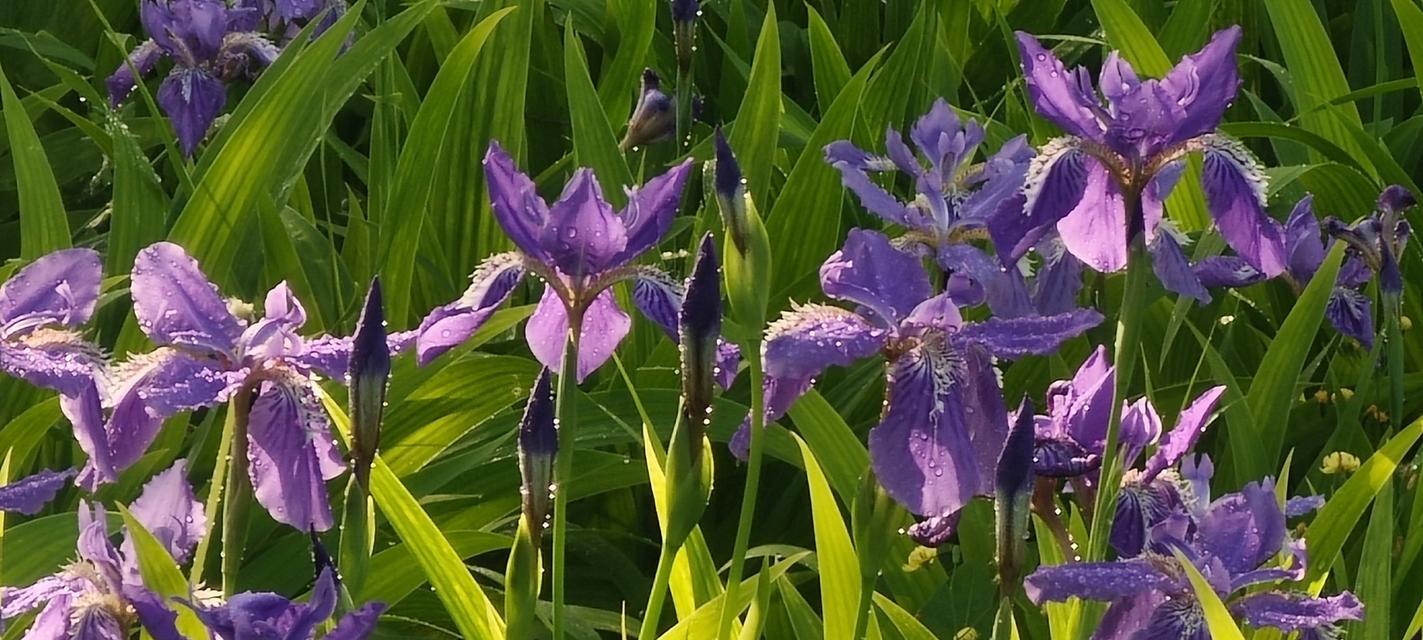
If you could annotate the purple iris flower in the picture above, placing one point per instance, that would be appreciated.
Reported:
(1103, 184)
(269, 616)
(100, 596)
(210, 45)
(1233, 542)
(1071, 441)
(955, 202)
(579, 247)
(40, 308)
(944, 422)
(1380, 238)
(205, 355)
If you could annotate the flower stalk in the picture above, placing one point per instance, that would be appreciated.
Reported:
(565, 417)
(237, 506)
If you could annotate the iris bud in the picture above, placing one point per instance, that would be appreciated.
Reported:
(369, 370)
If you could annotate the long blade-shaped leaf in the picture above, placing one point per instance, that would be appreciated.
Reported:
(43, 225)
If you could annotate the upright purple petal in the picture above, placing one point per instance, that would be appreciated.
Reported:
(1056, 93)
(1095, 230)
(605, 325)
(1299, 612)
(1173, 268)
(1083, 407)
(1243, 530)
(30, 494)
(177, 305)
(1105, 581)
(141, 60)
(192, 98)
(58, 288)
(516, 203)
(582, 235)
(870, 272)
(275, 335)
(1189, 427)
(1204, 84)
(650, 210)
(450, 325)
(921, 451)
(1144, 115)
(288, 475)
(1235, 192)
(168, 509)
(1141, 427)
(1039, 335)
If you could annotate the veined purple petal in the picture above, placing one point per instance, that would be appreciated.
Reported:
(985, 414)
(1352, 314)
(1141, 505)
(939, 313)
(1056, 184)
(1204, 84)
(58, 288)
(1058, 279)
(142, 59)
(605, 325)
(582, 235)
(52, 359)
(870, 272)
(805, 341)
(168, 509)
(287, 470)
(450, 325)
(1226, 271)
(1004, 289)
(650, 211)
(1243, 530)
(1288, 611)
(193, 99)
(1303, 242)
(94, 621)
(658, 296)
(1056, 94)
(1128, 615)
(1153, 198)
(854, 166)
(1173, 268)
(1095, 230)
(1059, 457)
(1000, 184)
(1038, 335)
(1105, 581)
(517, 206)
(1235, 192)
(152, 387)
(921, 451)
(15, 601)
(177, 305)
(1189, 427)
(30, 494)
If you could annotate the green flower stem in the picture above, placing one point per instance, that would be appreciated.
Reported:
(748, 497)
(357, 542)
(1128, 347)
(565, 413)
(214, 500)
(522, 578)
(658, 596)
(1393, 334)
(239, 489)
(684, 106)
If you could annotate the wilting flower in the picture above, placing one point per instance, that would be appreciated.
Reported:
(101, 594)
(210, 45)
(944, 422)
(955, 203)
(1104, 183)
(579, 247)
(206, 355)
(40, 308)
(30, 494)
(1071, 441)
(1233, 542)
(268, 615)
(368, 374)
(654, 119)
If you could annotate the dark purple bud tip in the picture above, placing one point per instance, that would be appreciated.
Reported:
(699, 321)
(1396, 198)
(538, 444)
(321, 558)
(1013, 488)
(650, 80)
(654, 118)
(1015, 464)
(368, 373)
(685, 11)
(728, 172)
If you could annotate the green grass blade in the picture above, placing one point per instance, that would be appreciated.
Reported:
(594, 144)
(44, 226)
(828, 65)
(1218, 619)
(160, 574)
(139, 203)
(758, 120)
(834, 554)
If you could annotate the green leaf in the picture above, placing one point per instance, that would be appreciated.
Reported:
(834, 554)
(161, 575)
(703, 622)
(1374, 583)
(1222, 626)
(594, 144)
(473, 613)
(828, 65)
(906, 623)
(416, 170)
(1410, 20)
(139, 206)
(758, 120)
(637, 21)
(44, 226)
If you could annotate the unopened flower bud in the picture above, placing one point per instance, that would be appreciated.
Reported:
(538, 445)
(369, 370)
(654, 118)
(1012, 493)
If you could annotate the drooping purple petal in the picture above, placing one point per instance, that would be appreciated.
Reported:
(1038, 335)
(142, 59)
(1234, 186)
(1058, 279)
(1140, 507)
(1303, 243)
(168, 509)
(95, 622)
(985, 415)
(658, 296)
(86, 413)
(854, 166)
(1095, 230)
(58, 288)
(177, 305)
(1243, 530)
(1004, 289)
(30, 494)
(1303, 505)
(870, 272)
(1056, 183)
(288, 475)
(921, 451)
(1298, 612)
(605, 325)
(450, 325)
(1352, 314)
(1226, 271)
(650, 210)
(1204, 84)
(1189, 427)
(192, 98)
(780, 395)
(1173, 269)
(1093, 581)
(1128, 615)
(582, 235)
(58, 360)
(516, 203)
(1058, 94)
(807, 340)
(1153, 198)
(358, 624)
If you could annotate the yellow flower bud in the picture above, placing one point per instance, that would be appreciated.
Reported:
(1340, 462)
